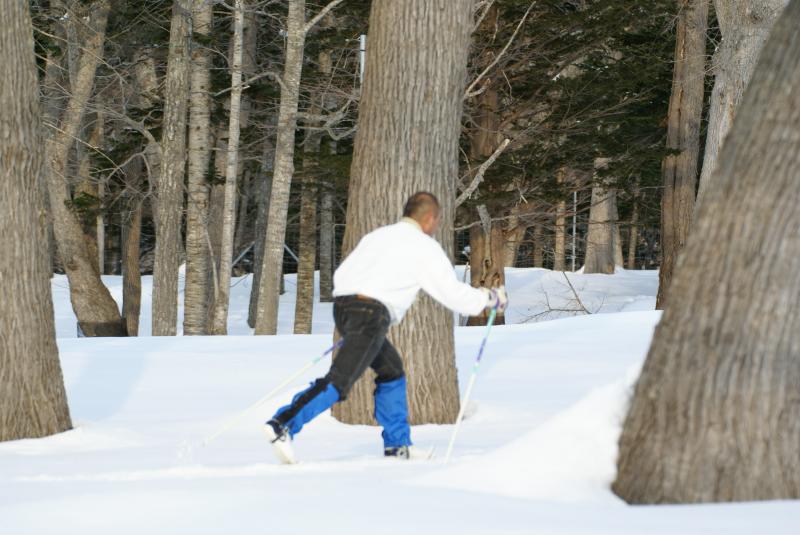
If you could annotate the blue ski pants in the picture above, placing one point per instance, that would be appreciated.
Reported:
(363, 324)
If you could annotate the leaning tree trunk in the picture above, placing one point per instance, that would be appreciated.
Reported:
(266, 321)
(745, 26)
(169, 190)
(96, 310)
(33, 402)
(219, 323)
(412, 108)
(195, 295)
(715, 414)
(679, 168)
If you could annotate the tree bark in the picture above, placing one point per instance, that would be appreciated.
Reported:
(33, 401)
(745, 26)
(94, 233)
(560, 246)
(195, 313)
(220, 314)
(600, 251)
(96, 310)
(414, 109)
(260, 236)
(326, 243)
(633, 240)
(600, 247)
(266, 321)
(486, 266)
(714, 416)
(538, 246)
(679, 169)
(131, 270)
(304, 303)
(512, 237)
(618, 258)
(169, 190)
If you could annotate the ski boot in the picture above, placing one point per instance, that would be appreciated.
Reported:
(281, 442)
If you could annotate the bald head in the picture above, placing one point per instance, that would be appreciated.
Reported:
(423, 207)
(421, 204)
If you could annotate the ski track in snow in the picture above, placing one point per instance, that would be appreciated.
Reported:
(536, 452)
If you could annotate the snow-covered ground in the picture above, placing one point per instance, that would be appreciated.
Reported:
(535, 454)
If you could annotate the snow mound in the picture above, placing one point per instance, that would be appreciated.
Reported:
(570, 457)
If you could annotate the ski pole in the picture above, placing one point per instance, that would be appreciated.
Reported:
(471, 383)
(272, 393)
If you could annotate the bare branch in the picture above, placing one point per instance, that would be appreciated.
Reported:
(486, 5)
(481, 171)
(577, 298)
(324, 11)
(468, 93)
(252, 79)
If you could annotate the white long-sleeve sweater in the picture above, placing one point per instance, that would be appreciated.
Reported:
(392, 263)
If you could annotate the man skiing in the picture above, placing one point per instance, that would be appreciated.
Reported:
(373, 288)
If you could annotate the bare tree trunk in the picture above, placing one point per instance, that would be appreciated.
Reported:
(260, 236)
(169, 190)
(600, 250)
(271, 269)
(195, 313)
(245, 175)
(714, 416)
(220, 315)
(242, 208)
(426, 42)
(634, 236)
(538, 246)
(304, 304)
(512, 237)
(745, 26)
(486, 265)
(618, 258)
(96, 310)
(94, 233)
(327, 231)
(679, 168)
(33, 402)
(560, 246)
(326, 243)
(131, 270)
(216, 215)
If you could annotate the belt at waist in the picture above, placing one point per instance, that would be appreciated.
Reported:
(358, 297)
